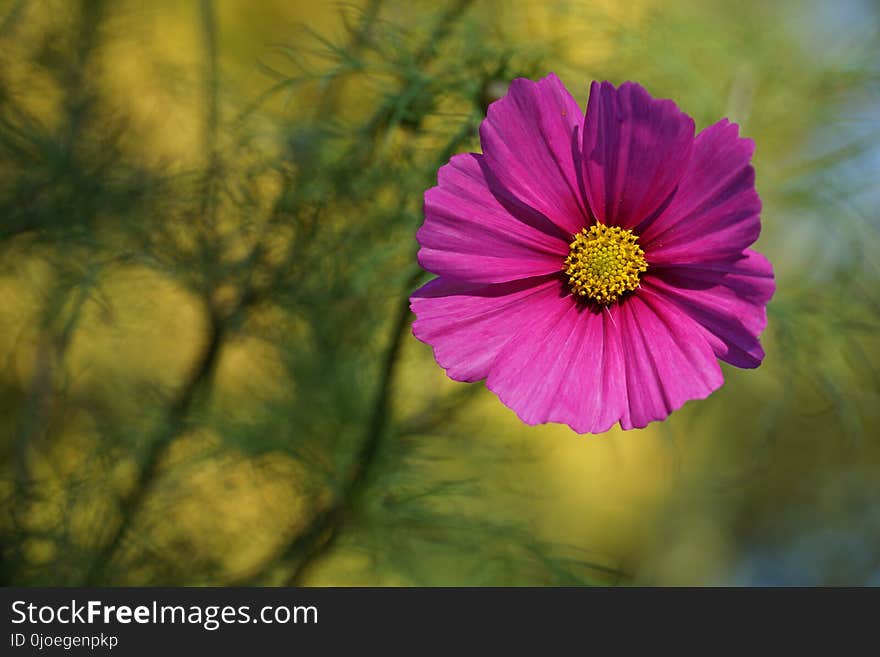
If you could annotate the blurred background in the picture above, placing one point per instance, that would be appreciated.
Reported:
(207, 375)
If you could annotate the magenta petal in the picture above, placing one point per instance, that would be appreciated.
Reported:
(668, 360)
(635, 150)
(568, 367)
(565, 367)
(529, 140)
(728, 299)
(468, 324)
(471, 234)
(632, 363)
(715, 212)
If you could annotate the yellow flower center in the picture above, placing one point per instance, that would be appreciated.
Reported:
(604, 262)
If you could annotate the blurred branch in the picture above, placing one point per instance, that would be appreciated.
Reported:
(319, 534)
(79, 94)
(439, 411)
(209, 32)
(34, 422)
(212, 112)
(54, 339)
(324, 526)
(332, 85)
(10, 20)
(173, 425)
(374, 127)
(441, 31)
(175, 422)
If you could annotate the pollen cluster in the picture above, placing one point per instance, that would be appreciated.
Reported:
(604, 262)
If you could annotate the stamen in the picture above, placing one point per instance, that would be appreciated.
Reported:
(604, 262)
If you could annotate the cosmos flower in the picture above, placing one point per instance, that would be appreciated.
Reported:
(594, 268)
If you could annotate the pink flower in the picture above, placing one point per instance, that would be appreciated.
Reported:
(594, 268)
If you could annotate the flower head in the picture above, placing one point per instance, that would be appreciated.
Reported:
(594, 267)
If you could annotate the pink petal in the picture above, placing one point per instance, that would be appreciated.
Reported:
(727, 298)
(715, 212)
(631, 363)
(566, 366)
(468, 324)
(529, 140)
(474, 232)
(668, 360)
(635, 150)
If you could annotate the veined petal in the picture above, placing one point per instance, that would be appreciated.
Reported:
(530, 142)
(715, 212)
(530, 374)
(635, 150)
(728, 299)
(475, 231)
(631, 363)
(468, 324)
(668, 360)
(567, 366)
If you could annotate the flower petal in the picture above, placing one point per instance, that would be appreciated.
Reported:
(668, 360)
(631, 363)
(635, 150)
(529, 140)
(474, 231)
(727, 298)
(567, 366)
(715, 212)
(468, 324)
